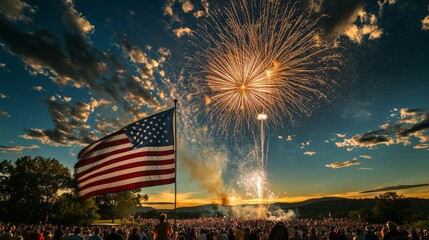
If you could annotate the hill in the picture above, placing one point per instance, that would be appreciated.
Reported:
(320, 207)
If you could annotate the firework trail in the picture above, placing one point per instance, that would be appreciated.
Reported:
(260, 57)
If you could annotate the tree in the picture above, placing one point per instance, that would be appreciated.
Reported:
(70, 209)
(30, 187)
(389, 206)
(119, 205)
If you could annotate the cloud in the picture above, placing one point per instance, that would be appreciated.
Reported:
(368, 140)
(339, 14)
(70, 125)
(310, 153)
(187, 6)
(343, 164)
(2, 65)
(18, 148)
(303, 144)
(397, 187)
(164, 51)
(425, 23)
(341, 135)
(365, 156)
(180, 32)
(168, 8)
(38, 88)
(2, 96)
(16, 10)
(368, 27)
(75, 21)
(350, 19)
(4, 114)
(421, 146)
(198, 14)
(368, 169)
(412, 124)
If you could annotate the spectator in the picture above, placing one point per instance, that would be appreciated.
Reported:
(163, 229)
(96, 235)
(113, 235)
(279, 232)
(393, 233)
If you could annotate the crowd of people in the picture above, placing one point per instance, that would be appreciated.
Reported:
(218, 229)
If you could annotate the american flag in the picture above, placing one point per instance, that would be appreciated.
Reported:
(139, 155)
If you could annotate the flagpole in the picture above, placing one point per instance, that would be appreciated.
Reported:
(175, 167)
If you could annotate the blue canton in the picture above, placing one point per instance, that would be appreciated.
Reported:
(153, 131)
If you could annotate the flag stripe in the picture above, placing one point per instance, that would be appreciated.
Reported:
(118, 158)
(144, 161)
(119, 139)
(89, 148)
(124, 187)
(109, 144)
(124, 169)
(124, 149)
(101, 156)
(129, 177)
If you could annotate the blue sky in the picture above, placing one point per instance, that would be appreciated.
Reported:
(74, 71)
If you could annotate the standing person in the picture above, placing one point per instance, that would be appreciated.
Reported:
(7, 234)
(76, 234)
(231, 234)
(35, 234)
(425, 235)
(163, 229)
(359, 235)
(369, 234)
(279, 232)
(113, 235)
(134, 234)
(58, 233)
(313, 234)
(349, 234)
(393, 233)
(96, 235)
(142, 234)
(333, 235)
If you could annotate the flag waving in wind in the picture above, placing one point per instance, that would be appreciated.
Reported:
(139, 155)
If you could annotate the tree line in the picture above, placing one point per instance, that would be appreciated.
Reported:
(38, 189)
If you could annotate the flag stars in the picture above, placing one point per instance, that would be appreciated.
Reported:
(151, 131)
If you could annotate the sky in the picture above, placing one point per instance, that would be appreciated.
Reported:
(72, 72)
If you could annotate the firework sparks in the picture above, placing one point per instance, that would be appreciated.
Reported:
(260, 56)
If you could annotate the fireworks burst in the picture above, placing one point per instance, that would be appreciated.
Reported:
(260, 57)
